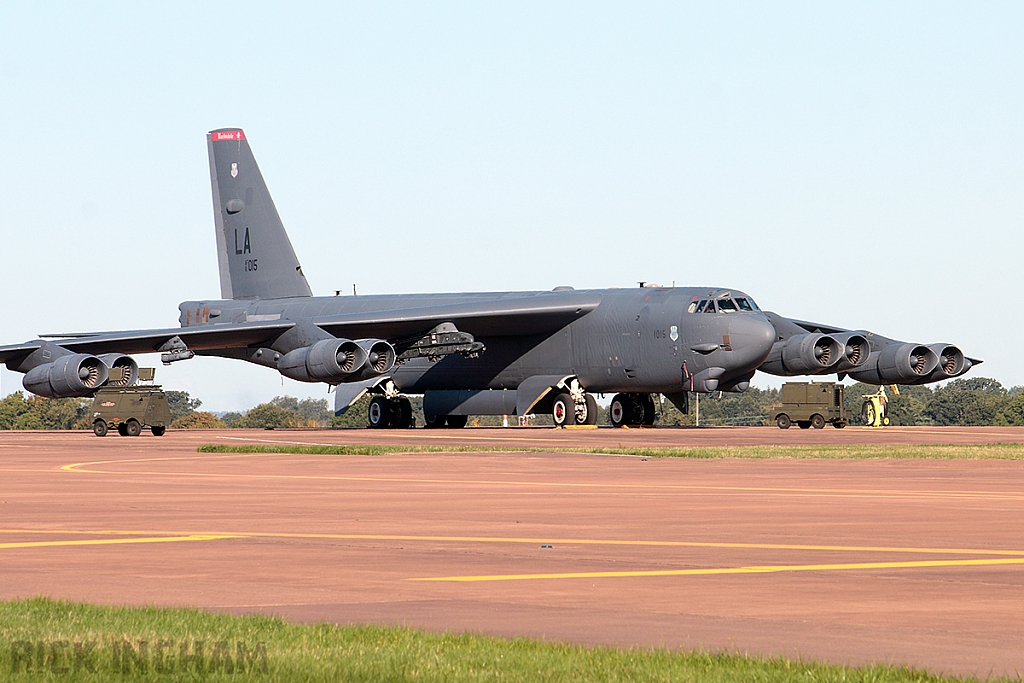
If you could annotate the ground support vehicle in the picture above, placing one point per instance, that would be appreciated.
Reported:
(875, 409)
(809, 404)
(129, 409)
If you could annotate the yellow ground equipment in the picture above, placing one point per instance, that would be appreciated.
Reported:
(875, 409)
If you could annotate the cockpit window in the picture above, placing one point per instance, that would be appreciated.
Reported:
(744, 304)
(706, 306)
(726, 306)
(692, 308)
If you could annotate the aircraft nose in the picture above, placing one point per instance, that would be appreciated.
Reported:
(751, 338)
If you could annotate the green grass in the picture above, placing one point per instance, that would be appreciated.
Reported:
(999, 451)
(297, 653)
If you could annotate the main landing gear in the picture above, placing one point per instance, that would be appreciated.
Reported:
(632, 410)
(389, 412)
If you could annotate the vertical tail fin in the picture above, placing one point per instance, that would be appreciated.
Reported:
(254, 254)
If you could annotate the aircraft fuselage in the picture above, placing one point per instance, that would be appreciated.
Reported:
(635, 340)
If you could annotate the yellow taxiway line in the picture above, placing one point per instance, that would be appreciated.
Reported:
(109, 541)
(1016, 557)
(712, 571)
(211, 535)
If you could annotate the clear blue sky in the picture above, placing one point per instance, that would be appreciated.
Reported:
(856, 164)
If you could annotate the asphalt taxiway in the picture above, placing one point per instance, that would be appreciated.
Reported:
(915, 562)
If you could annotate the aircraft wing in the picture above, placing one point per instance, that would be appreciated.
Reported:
(513, 316)
(888, 360)
(539, 314)
(150, 341)
(788, 327)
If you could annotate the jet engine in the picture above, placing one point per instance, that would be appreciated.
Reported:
(328, 360)
(856, 351)
(804, 354)
(899, 363)
(76, 374)
(952, 362)
(380, 359)
(130, 372)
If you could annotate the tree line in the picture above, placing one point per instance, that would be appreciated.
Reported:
(965, 401)
(973, 401)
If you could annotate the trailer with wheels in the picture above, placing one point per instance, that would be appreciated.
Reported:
(130, 409)
(809, 404)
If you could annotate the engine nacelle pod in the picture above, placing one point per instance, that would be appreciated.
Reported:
(952, 362)
(380, 359)
(328, 360)
(129, 369)
(903, 363)
(803, 354)
(899, 363)
(856, 352)
(78, 374)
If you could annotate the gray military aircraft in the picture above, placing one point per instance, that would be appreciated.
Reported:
(498, 353)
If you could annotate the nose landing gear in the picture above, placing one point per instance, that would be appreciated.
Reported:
(566, 410)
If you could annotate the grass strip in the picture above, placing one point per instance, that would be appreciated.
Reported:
(999, 451)
(44, 639)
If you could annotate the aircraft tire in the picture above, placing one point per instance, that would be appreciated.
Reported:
(563, 410)
(121, 430)
(158, 431)
(635, 410)
(401, 413)
(434, 421)
(817, 421)
(649, 412)
(619, 410)
(99, 428)
(591, 418)
(803, 424)
(783, 421)
(839, 424)
(132, 428)
(378, 413)
(456, 421)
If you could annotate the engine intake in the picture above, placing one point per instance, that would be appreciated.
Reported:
(328, 360)
(380, 359)
(804, 354)
(856, 351)
(129, 369)
(73, 375)
(951, 361)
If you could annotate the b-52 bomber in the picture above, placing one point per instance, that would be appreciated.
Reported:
(495, 353)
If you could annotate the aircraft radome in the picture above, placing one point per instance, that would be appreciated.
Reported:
(498, 353)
